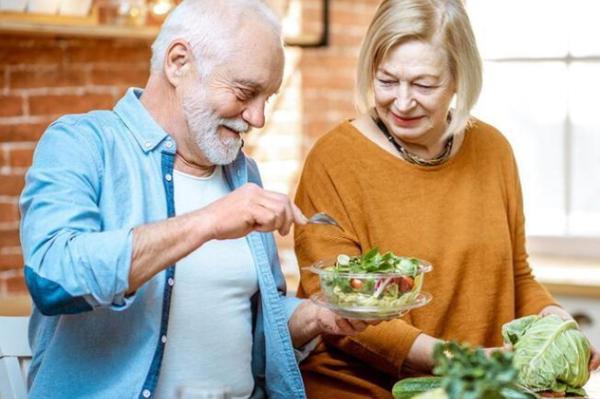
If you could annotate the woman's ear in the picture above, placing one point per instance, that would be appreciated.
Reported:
(178, 62)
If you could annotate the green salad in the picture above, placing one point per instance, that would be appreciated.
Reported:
(373, 280)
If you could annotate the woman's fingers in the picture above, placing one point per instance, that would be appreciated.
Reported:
(594, 359)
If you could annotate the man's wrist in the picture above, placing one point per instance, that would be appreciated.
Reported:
(303, 324)
(202, 226)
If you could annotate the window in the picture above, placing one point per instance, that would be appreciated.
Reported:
(542, 90)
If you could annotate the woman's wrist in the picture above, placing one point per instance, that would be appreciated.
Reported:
(420, 355)
(557, 311)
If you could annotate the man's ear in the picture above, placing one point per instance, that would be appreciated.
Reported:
(178, 62)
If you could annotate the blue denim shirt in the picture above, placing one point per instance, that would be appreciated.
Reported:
(94, 178)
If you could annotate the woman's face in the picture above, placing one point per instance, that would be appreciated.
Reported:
(413, 90)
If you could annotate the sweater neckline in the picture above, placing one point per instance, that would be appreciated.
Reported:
(347, 125)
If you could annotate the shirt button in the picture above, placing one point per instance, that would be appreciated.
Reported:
(170, 281)
(147, 144)
(146, 393)
(163, 339)
(169, 144)
(168, 177)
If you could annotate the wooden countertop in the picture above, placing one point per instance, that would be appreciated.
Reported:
(18, 305)
(568, 276)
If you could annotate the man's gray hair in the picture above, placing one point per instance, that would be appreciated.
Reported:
(210, 27)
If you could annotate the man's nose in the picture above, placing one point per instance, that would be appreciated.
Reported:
(254, 114)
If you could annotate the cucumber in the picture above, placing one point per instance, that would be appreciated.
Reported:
(515, 393)
(409, 387)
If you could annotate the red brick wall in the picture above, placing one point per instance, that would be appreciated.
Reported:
(328, 73)
(43, 78)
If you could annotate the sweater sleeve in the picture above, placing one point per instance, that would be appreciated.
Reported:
(384, 346)
(530, 296)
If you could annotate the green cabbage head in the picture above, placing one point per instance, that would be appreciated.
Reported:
(551, 354)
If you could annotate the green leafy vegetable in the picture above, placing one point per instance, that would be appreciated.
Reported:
(551, 354)
(467, 373)
(470, 374)
(375, 262)
(373, 280)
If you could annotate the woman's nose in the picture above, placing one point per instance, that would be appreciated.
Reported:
(404, 100)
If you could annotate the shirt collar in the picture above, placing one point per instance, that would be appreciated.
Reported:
(138, 120)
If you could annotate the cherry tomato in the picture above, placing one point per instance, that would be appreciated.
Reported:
(356, 283)
(406, 283)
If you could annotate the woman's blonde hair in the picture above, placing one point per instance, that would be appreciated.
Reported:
(441, 22)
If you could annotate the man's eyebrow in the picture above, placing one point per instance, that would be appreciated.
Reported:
(249, 84)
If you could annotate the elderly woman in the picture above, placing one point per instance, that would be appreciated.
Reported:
(416, 177)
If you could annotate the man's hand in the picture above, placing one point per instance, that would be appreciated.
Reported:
(251, 208)
(310, 320)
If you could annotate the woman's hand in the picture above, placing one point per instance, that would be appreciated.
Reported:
(557, 311)
(594, 363)
(506, 348)
(594, 359)
(310, 320)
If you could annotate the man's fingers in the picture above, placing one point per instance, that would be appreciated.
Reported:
(358, 325)
(299, 217)
(264, 218)
(281, 206)
(344, 326)
(276, 209)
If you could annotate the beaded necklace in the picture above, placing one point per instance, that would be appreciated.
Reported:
(409, 156)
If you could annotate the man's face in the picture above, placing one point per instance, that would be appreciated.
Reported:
(231, 99)
(205, 124)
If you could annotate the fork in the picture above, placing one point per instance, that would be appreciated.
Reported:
(322, 218)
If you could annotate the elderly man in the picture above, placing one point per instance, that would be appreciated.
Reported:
(146, 233)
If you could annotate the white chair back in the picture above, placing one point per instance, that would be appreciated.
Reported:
(15, 355)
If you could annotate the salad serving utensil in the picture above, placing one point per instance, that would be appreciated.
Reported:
(322, 218)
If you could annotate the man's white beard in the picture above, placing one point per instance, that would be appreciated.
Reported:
(203, 124)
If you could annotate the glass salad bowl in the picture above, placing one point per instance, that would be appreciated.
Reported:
(373, 286)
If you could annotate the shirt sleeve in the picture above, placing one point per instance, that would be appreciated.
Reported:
(306, 349)
(384, 346)
(530, 296)
(71, 264)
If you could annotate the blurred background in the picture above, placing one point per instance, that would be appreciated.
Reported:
(541, 85)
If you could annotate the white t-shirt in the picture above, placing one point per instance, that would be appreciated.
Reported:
(209, 338)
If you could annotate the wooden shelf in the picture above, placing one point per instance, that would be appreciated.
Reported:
(55, 25)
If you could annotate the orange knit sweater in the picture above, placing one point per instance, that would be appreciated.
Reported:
(464, 216)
